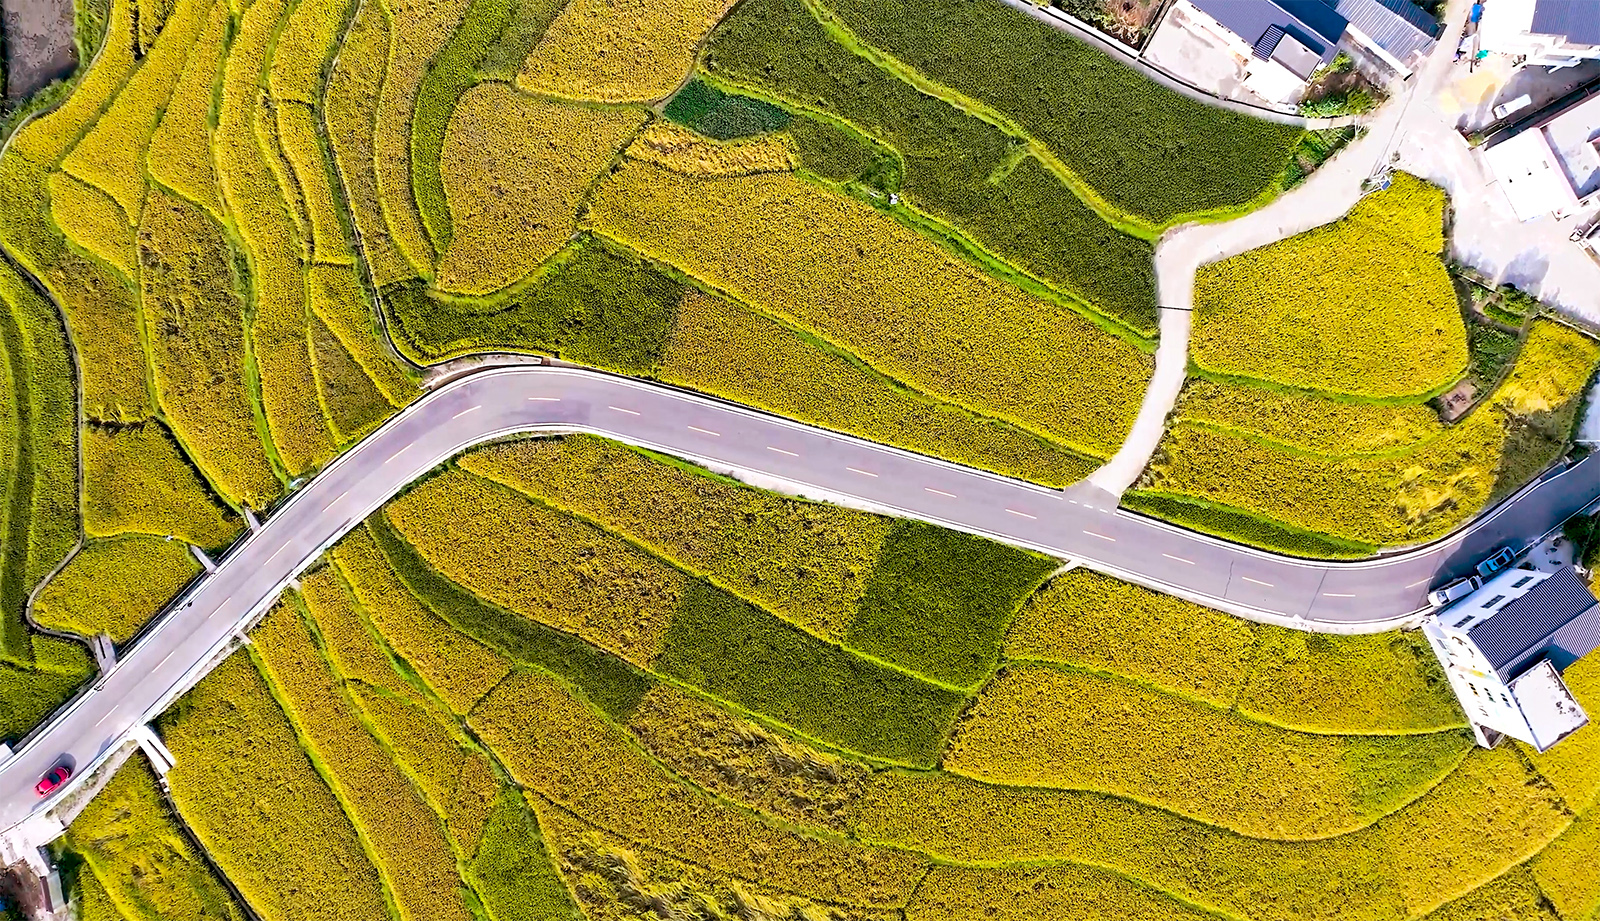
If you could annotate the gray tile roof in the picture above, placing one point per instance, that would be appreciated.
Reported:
(1315, 24)
(1399, 27)
(1578, 20)
(1558, 616)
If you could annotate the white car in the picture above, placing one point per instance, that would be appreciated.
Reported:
(1455, 591)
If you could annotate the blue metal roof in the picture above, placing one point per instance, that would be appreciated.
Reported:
(1578, 20)
(1313, 23)
(1399, 27)
(1558, 615)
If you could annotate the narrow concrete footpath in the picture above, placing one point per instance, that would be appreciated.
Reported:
(1323, 198)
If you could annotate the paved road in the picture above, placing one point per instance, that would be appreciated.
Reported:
(1082, 524)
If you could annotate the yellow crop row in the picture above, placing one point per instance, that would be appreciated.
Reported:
(682, 151)
(309, 37)
(115, 586)
(1395, 498)
(141, 857)
(805, 562)
(350, 400)
(302, 148)
(338, 299)
(357, 80)
(738, 759)
(542, 564)
(719, 347)
(254, 799)
(515, 170)
(354, 652)
(1514, 895)
(179, 155)
(1308, 423)
(418, 29)
(1116, 737)
(455, 666)
(405, 837)
(136, 482)
(1487, 816)
(194, 324)
(619, 50)
(93, 220)
(1068, 892)
(1567, 872)
(862, 280)
(1347, 308)
(560, 748)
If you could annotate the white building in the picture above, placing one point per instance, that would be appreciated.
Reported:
(1552, 166)
(1503, 649)
(1547, 33)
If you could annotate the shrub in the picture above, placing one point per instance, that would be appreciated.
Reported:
(568, 753)
(545, 566)
(591, 303)
(513, 871)
(682, 151)
(259, 807)
(515, 171)
(841, 269)
(960, 169)
(806, 562)
(179, 155)
(456, 667)
(722, 116)
(136, 482)
(938, 601)
(1149, 151)
(137, 852)
(1069, 892)
(749, 658)
(115, 586)
(1371, 282)
(1086, 619)
(1121, 739)
(31, 692)
(194, 323)
(721, 347)
(1306, 423)
(619, 51)
(740, 760)
(405, 839)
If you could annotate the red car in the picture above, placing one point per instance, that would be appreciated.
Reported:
(52, 779)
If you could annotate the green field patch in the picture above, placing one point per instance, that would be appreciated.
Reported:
(36, 679)
(513, 871)
(724, 116)
(592, 304)
(135, 481)
(938, 601)
(115, 586)
(743, 655)
(135, 849)
(959, 169)
(1046, 727)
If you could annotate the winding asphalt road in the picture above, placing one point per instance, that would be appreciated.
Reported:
(1082, 524)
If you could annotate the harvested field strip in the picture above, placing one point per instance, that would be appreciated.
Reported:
(723, 348)
(179, 155)
(806, 562)
(1402, 498)
(1373, 283)
(194, 322)
(1299, 422)
(1381, 684)
(1157, 156)
(38, 451)
(258, 805)
(417, 32)
(115, 586)
(136, 481)
(785, 246)
(357, 79)
(92, 220)
(111, 155)
(138, 853)
(1489, 815)
(405, 838)
(37, 678)
(573, 756)
(631, 51)
(514, 870)
(513, 202)
(1120, 739)
(953, 161)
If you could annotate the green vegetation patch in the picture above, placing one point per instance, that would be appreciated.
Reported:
(938, 601)
(1241, 526)
(29, 693)
(723, 116)
(744, 655)
(115, 586)
(957, 168)
(512, 871)
(592, 303)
